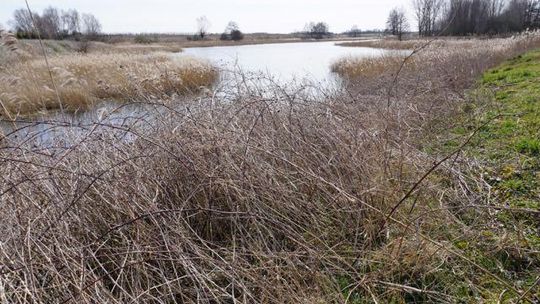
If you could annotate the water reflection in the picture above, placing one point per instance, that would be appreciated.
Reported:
(285, 62)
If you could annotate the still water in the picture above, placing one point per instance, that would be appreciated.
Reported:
(285, 62)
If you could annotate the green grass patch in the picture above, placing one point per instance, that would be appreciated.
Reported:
(508, 149)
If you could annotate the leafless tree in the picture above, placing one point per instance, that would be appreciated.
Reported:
(203, 25)
(532, 14)
(52, 24)
(397, 23)
(49, 23)
(91, 26)
(495, 7)
(427, 13)
(465, 17)
(232, 32)
(231, 26)
(354, 31)
(317, 30)
(22, 22)
(71, 23)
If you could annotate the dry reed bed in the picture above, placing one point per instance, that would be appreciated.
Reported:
(392, 44)
(253, 198)
(383, 44)
(82, 80)
(427, 56)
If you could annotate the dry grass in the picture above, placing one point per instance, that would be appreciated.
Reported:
(354, 67)
(83, 80)
(384, 44)
(32, 48)
(259, 197)
(430, 53)
(9, 47)
(411, 44)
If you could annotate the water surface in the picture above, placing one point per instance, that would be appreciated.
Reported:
(283, 61)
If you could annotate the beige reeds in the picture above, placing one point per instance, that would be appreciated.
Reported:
(8, 40)
(83, 80)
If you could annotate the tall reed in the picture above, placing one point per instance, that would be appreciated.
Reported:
(85, 79)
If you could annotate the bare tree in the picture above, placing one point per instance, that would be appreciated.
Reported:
(232, 32)
(427, 13)
(203, 25)
(71, 23)
(49, 23)
(22, 23)
(495, 7)
(52, 24)
(354, 31)
(231, 26)
(397, 23)
(317, 30)
(532, 14)
(90, 26)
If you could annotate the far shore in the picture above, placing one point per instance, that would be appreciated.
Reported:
(171, 45)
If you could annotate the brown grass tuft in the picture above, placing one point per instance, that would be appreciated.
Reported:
(352, 67)
(86, 79)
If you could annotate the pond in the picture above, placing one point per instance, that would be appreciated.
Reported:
(285, 62)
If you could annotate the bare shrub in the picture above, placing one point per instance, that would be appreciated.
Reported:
(83, 46)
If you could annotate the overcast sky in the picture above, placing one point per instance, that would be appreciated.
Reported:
(178, 16)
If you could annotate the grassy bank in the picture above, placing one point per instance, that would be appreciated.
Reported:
(255, 196)
(507, 151)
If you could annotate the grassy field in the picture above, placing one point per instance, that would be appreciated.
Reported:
(416, 182)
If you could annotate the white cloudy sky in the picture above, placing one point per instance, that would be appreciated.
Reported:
(281, 16)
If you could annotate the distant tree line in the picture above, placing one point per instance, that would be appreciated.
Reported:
(475, 17)
(55, 24)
